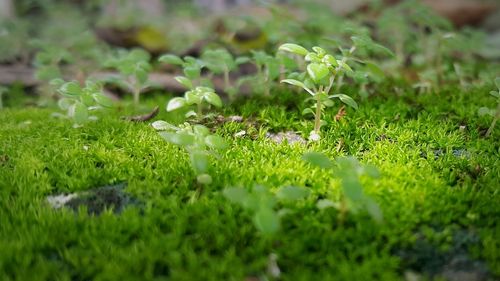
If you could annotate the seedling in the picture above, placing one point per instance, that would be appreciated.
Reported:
(134, 68)
(495, 113)
(262, 204)
(198, 96)
(349, 170)
(322, 68)
(197, 141)
(79, 101)
(268, 69)
(220, 61)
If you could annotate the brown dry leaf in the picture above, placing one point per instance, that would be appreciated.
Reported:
(143, 117)
(341, 113)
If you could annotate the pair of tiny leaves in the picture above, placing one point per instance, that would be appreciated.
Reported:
(188, 139)
(192, 67)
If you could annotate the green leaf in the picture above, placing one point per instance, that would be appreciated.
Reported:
(192, 72)
(103, 100)
(347, 100)
(325, 203)
(141, 74)
(293, 48)
(486, 111)
(182, 139)
(71, 89)
(318, 159)
(352, 188)
(317, 71)
(161, 125)
(171, 59)
(236, 195)
(192, 97)
(215, 142)
(176, 103)
(374, 210)
(199, 160)
(79, 112)
(201, 130)
(213, 99)
(291, 193)
(497, 82)
(496, 94)
(204, 179)
(267, 221)
(298, 84)
(184, 81)
(375, 70)
(64, 103)
(308, 111)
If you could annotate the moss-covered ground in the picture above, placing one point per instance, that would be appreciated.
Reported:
(439, 193)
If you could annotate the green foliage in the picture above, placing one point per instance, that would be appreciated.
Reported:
(134, 68)
(197, 141)
(350, 171)
(262, 204)
(80, 101)
(191, 66)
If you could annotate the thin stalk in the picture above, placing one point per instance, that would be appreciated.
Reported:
(317, 116)
(137, 93)
(199, 111)
(226, 80)
(497, 116)
(1, 100)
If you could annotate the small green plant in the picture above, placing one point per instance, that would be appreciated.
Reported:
(322, 69)
(198, 96)
(262, 204)
(191, 66)
(220, 61)
(197, 141)
(79, 101)
(268, 69)
(134, 68)
(349, 170)
(495, 113)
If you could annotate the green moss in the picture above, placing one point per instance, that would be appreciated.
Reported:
(185, 232)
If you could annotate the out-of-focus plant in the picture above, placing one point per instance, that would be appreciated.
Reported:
(134, 68)
(197, 141)
(262, 204)
(268, 69)
(349, 171)
(495, 113)
(191, 66)
(220, 61)
(321, 71)
(79, 101)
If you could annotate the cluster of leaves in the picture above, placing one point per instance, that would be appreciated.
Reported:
(134, 68)
(493, 112)
(321, 71)
(195, 96)
(263, 204)
(78, 101)
(197, 141)
(349, 171)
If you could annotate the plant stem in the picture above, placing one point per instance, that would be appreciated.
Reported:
(199, 111)
(317, 116)
(1, 100)
(137, 93)
(226, 80)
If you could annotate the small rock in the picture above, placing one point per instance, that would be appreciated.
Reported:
(240, 134)
(235, 118)
(58, 201)
(290, 137)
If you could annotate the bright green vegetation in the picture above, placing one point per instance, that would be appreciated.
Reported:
(437, 191)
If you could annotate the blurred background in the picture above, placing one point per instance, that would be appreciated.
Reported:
(40, 39)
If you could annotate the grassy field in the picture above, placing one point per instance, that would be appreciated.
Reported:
(439, 194)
